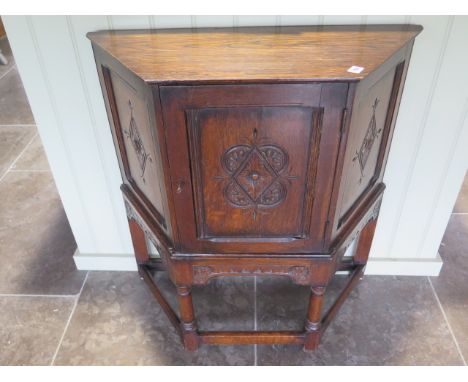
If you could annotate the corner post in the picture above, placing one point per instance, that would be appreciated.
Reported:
(312, 325)
(139, 243)
(187, 317)
(364, 243)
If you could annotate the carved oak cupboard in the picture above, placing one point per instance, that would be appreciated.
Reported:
(252, 151)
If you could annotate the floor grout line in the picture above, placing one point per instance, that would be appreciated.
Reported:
(38, 295)
(255, 318)
(69, 320)
(18, 157)
(30, 171)
(18, 125)
(8, 71)
(447, 322)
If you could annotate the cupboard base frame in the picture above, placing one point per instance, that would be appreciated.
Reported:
(309, 337)
(315, 271)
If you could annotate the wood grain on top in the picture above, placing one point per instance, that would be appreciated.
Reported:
(251, 54)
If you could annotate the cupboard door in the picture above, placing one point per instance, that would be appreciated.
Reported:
(251, 167)
(244, 163)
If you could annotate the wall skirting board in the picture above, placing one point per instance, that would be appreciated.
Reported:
(404, 267)
(99, 262)
(393, 267)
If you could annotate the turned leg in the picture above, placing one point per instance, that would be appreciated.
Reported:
(315, 325)
(312, 325)
(187, 317)
(364, 243)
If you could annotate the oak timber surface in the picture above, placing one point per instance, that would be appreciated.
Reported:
(249, 54)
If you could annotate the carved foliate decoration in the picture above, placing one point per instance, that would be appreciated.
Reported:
(256, 174)
(203, 273)
(133, 215)
(376, 210)
(366, 146)
(137, 143)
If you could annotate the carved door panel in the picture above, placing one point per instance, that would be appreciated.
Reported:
(250, 175)
(245, 169)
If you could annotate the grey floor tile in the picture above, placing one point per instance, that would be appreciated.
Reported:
(14, 106)
(224, 304)
(282, 305)
(6, 51)
(385, 321)
(31, 328)
(36, 242)
(13, 139)
(118, 322)
(33, 158)
(452, 284)
(461, 205)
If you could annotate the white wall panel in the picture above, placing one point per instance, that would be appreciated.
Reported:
(130, 22)
(444, 122)
(426, 164)
(246, 21)
(212, 21)
(300, 20)
(344, 20)
(78, 27)
(35, 76)
(387, 19)
(63, 73)
(172, 21)
(420, 85)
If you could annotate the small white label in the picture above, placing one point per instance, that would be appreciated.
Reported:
(355, 69)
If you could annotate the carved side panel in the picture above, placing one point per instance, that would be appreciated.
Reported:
(130, 112)
(367, 144)
(368, 137)
(253, 170)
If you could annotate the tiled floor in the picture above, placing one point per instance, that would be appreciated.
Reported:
(53, 314)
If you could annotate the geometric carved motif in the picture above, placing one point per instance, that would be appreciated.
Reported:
(134, 135)
(255, 174)
(366, 146)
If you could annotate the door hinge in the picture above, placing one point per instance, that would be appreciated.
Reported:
(324, 234)
(344, 119)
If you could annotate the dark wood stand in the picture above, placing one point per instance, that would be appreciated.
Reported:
(321, 270)
(253, 152)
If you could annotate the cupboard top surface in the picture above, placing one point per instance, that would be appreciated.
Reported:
(255, 54)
